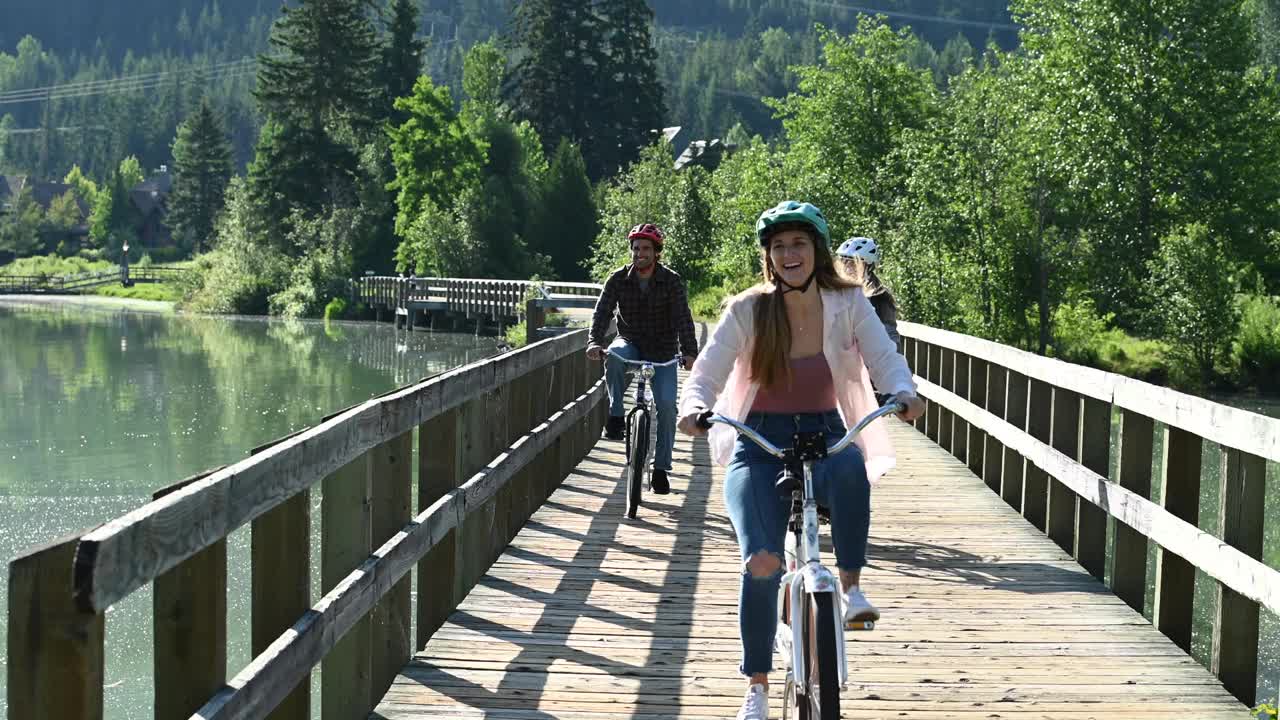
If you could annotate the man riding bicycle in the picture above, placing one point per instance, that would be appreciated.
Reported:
(653, 317)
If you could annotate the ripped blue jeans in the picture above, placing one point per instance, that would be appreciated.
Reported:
(759, 514)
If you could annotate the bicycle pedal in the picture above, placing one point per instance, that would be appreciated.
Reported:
(860, 625)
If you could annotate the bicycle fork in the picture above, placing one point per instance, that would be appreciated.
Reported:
(805, 573)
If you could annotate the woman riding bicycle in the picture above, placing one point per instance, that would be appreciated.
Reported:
(792, 354)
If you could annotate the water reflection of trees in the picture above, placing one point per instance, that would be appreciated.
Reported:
(110, 402)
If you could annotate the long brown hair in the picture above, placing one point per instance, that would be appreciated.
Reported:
(857, 271)
(770, 354)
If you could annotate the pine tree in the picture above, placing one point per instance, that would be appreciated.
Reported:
(320, 95)
(401, 56)
(636, 109)
(202, 169)
(557, 83)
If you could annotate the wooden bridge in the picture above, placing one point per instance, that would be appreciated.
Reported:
(501, 302)
(74, 284)
(535, 599)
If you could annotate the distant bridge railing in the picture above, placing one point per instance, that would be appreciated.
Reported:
(70, 284)
(494, 439)
(1039, 430)
(497, 300)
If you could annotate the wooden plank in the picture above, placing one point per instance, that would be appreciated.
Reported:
(947, 379)
(1129, 573)
(1035, 484)
(439, 472)
(1242, 497)
(132, 550)
(390, 510)
(1244, 574)
(189, 608)
(280, 551)
(960, 428)
(55, 649)
(1175, 577)
(1095, 454)
(1015, 413)
(1064, 433)
(346, 541)
(264, 682)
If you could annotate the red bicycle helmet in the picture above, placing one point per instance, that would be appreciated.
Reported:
(648, 231)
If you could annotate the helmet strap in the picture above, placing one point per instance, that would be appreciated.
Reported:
(781, 284)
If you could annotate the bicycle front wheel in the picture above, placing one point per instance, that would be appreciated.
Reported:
(823, 680)
(639, 432)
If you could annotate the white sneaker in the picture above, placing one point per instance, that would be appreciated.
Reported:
(858, 608)
(755, 704)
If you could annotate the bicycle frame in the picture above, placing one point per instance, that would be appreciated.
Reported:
(813, 576)
(643, 410)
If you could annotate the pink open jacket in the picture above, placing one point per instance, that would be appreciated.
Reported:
(854, 342)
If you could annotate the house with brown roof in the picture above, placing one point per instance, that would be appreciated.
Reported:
(151, 198)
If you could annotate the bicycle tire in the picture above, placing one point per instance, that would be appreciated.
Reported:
(828, 691)
(636, 462)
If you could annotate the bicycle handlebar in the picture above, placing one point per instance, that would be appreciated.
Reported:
(629, 361)
(708, 418)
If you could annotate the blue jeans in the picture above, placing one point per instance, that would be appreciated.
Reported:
(759, 514)
(663, 387)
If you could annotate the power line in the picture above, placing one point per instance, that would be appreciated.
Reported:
(913, 16)
(131, 83)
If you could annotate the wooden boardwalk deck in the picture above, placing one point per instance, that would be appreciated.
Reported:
(588, 616)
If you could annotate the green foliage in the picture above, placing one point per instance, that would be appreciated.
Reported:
(243, 271)
(482, 72)
(20, 227)
(1197, 297)
(564, 222)
(1256, 349)
(434, 155)
(517, 335)
(202, 169)
(131, 172)
(1265, 711)
(401, 54)
(84, 188)
(1077, 329)
(114, 220)
(154, 292)
(336, 309)
(54, 266)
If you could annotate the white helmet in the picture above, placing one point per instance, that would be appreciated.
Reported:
(860, 248)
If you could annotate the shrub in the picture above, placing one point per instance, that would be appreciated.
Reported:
(336, 308)
(1078, 331)
(1256, 349)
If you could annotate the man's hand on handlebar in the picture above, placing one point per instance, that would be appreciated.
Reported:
(688, 362)
(595, 352)
(914, 406)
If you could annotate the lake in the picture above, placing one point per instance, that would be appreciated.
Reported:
(100, 407)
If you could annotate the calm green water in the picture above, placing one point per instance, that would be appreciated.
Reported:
(98, 408)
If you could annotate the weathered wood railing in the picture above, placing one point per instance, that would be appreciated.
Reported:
(494, 439)
(64, 284)
(495, 299)
(1038, 431)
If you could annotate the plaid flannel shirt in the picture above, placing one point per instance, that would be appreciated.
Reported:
(655, 321)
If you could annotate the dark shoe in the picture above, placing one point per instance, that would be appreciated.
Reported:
(658, 482)
(613, 428)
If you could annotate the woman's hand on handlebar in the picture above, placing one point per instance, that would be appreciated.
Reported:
(595, 352)
(913, 404)
(689, 424)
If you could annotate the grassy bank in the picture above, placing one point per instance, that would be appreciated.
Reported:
(159, 292)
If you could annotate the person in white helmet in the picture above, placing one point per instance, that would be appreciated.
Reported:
(859, 258)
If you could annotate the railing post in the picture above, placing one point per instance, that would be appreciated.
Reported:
(1234, 657)
(933, 368)
(438, 473)
(1035, 483)
(960, 428)
(346, 676)
(1129, 557)
(535, 316)
(1015, 413)
(1180, 495)
(1064, 433)
(977, 440)
(947, 379)
(1095, 454)
(392, 507)
(56, 658)
(189, 609)
(993, 457)
(281, 585)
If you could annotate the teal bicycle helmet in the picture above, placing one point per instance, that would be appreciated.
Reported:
(790, 211)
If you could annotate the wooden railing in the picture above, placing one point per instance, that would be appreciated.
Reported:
(65, 284)
(1038, 431)
(495, 299)
(494, 439)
